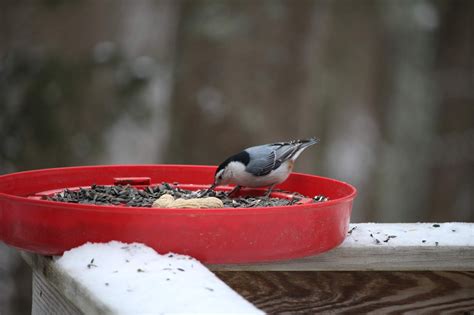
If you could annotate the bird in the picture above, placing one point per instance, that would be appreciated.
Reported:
(264, 165)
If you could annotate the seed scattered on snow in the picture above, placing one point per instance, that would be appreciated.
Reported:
(352, 230)
(375, 239)
(389, 237)
(91, 264)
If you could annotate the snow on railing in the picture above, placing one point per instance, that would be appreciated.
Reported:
(117, 278)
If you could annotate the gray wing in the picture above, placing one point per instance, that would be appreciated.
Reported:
(264, 159)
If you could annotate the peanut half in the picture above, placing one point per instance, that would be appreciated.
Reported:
(167, 201)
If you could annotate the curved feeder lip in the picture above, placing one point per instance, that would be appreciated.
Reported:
(219, 235)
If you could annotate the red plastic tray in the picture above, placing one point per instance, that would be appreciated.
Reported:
(211, 235)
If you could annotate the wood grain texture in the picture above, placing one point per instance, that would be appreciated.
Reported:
(409, 258)
(65, 287)
(48, 300)
(355, 292)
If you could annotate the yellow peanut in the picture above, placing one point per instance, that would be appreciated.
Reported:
(167, 201)
(163, 202)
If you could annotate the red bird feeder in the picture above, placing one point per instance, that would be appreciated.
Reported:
(225, 235)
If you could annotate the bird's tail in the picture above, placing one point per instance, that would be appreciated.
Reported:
(301, 145)
(291, 150)
(307, 142)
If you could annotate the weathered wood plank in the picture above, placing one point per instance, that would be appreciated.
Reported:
(355, 292)
(64, 285)
(47, 300)
(372, 259)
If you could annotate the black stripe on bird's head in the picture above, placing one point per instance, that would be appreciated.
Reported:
(242, 157)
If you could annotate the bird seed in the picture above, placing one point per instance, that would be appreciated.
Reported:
(130, 196)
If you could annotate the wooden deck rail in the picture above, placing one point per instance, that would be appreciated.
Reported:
(380, 267)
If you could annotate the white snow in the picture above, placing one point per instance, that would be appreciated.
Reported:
(134, 279)
(410, 234)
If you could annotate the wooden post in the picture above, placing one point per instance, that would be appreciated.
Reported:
(380, 267)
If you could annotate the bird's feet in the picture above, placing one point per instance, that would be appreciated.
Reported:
(269, 192)
(236, 188)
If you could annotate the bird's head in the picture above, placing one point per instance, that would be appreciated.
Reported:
(223, 174)
(226, 171)
(221, 177)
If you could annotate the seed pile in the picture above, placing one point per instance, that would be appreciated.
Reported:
(110, 195)
(144, 197)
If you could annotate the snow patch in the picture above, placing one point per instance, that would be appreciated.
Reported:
(135, 279)
(410, 234)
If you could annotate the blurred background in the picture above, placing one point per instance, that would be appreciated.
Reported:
(387, 86)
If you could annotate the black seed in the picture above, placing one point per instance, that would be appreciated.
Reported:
(389, 237)
(352, 230)
(144, 197)
(91, 264)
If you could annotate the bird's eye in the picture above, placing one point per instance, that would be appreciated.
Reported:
(220, 177)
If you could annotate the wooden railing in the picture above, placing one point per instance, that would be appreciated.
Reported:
(379, 267)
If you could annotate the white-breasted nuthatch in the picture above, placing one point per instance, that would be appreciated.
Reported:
(261, 166)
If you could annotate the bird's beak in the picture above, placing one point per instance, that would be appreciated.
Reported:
(212, 187)
(209, 189)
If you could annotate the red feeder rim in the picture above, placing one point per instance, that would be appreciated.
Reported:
(224, 235)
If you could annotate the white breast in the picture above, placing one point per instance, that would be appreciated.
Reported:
(239, 176)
